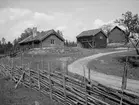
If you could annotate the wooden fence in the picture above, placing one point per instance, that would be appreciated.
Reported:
(64, 88)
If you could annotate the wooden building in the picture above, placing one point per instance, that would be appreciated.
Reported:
(48, 38)
(117, 35)
(95, 38)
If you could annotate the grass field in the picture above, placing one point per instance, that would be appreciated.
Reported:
(112, 65)
(25, 96)
(22, 95)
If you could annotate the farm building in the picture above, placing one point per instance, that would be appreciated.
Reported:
(117, 35)
(95, 38)
(48, 38)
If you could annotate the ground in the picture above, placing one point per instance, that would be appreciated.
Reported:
(113, 65)
(41, 58)
(22, 95)
(25, 96)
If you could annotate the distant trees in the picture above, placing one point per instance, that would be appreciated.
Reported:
(70, 43)
(3, 41)
(107, 28)
(9, 47)
(59, 33)
(27, 32)
(67, 43)
(5, 47)
(131, 22)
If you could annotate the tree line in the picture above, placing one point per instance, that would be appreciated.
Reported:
(5, 47)
(70, 43)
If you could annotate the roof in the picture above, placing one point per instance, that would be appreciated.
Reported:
(117, 28)
(90, 33)
(41, 36)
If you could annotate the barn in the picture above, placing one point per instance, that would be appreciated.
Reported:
(48, 38)
(95, 38)
(117, 35)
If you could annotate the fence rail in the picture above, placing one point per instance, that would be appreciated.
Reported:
(64, 88)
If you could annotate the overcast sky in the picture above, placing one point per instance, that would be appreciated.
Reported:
(69, 16)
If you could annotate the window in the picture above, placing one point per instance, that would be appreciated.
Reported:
(101, 37)
(52, 41)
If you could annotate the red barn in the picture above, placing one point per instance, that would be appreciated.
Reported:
(117, 35)
(95, 38)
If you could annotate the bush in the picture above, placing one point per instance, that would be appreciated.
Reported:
(133, 61)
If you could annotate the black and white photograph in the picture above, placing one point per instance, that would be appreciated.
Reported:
(69, 52)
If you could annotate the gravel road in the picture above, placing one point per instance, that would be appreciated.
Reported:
(112, 81)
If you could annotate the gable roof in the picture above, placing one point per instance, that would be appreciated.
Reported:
(118, 29)
(90, 33)
(41, 36)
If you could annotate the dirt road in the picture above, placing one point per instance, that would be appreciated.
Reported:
(112, 81)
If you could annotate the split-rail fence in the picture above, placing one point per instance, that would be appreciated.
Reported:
(64, 88)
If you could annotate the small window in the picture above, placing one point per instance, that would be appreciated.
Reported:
(101, 37)
(52, 41)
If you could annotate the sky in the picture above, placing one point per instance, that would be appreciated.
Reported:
(70, 16)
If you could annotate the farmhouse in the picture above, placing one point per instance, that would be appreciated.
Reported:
(48, 38)
(117, 35)
(95, 38)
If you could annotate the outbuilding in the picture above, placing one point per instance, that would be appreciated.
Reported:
(95, 38)
(117, 35)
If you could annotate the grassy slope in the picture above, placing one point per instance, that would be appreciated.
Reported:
(110, 65)
(21, 96)
(24, 96)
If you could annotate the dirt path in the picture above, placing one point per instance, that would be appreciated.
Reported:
(109, 80)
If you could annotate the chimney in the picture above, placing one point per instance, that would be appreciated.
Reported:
(34, 31)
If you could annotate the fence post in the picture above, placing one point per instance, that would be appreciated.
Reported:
(12, 66)
(21, 60)
(85, 85)
(30, 83)
(89, 79)
(89, 75)
(32, 58)
(64, 72)
(124, 80)
(38, 76)
(50, 82)
(42, 63)
(66, 67)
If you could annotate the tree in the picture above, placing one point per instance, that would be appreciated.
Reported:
(131, 22)
(59, 33)
(0, 45)
(27, 32)
(107, 28)
(3, 41)
(9, 45)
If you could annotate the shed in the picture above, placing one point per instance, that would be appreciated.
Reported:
(95, 38)
(117, 35)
